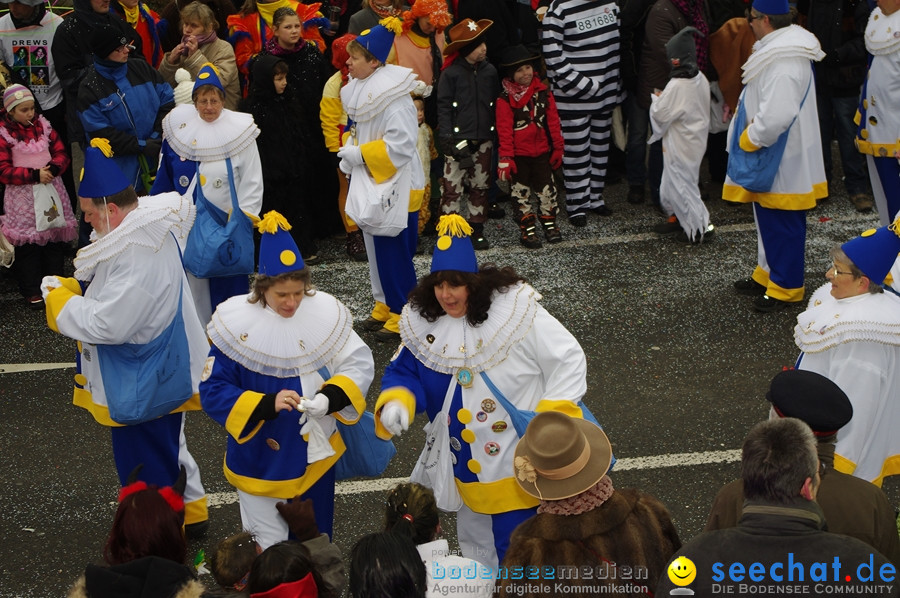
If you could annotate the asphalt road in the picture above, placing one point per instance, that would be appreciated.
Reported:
(678, 366)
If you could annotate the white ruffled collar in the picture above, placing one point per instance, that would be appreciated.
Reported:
(364, 99)
(193, 138)
(448, 344)
(147, 226)
(790, 42)
(262, 341)
(883, 33)
(829, 322)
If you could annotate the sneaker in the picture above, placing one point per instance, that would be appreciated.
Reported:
(528, 226)
(602, 210)
(356, 246)
(708, 235)
(480, 243)
(749, 287)
(551, 230)
(766, 304)
(35, 302)
(578, 220)
(669, 227)
(635, 194)
(862, 202)
(495, 212)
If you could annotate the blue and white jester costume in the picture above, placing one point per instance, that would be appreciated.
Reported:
(258, 357)
(528, 356)
(127, 288)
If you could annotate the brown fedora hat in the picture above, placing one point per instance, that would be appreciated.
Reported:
(464, 33)
(561, 456)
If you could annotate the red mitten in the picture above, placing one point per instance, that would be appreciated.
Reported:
(556, 159)
(506, 167)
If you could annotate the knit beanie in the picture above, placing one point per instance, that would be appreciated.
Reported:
(184, 88)
(16, 94)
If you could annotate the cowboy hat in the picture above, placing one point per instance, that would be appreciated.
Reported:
(561, 456)
(516, 56)
(464, 33)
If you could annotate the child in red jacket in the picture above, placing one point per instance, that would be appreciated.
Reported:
(531, 144)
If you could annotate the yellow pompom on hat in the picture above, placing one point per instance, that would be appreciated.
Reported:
(278, 252)
(101, 176)
(454, 250)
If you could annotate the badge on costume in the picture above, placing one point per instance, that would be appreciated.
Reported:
(465, 376)
(207, 369)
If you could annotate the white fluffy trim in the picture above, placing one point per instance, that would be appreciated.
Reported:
(791, 42)
(195, 139)
(829, 322)
(364, 99)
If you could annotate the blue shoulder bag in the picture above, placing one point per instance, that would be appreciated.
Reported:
(219, 245)
(755, 171)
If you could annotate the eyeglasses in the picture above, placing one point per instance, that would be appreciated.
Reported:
(751, 17)
(837, 272)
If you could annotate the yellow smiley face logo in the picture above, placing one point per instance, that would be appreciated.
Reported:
(682, 571)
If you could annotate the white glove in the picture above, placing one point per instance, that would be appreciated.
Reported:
(318, 447)
(315, 407)
(395, 417)
(351, 156)
(48, 284)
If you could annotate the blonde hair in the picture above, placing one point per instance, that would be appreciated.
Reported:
(196, 11)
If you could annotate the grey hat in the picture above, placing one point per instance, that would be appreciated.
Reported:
(681, 50)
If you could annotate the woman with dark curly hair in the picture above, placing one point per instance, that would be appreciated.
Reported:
(477, 349)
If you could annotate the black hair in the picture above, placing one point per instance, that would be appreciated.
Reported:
(481, 287)
(386, 564)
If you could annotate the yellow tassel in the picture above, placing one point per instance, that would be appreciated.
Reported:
(453, 225)
(271, 222)
(894, 226)
(392, 24)
(214, 68)
(103, 145)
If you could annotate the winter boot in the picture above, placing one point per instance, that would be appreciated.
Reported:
(551, 230)
(528, 226)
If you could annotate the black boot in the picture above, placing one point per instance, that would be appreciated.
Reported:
(528, 226)
(478, 240)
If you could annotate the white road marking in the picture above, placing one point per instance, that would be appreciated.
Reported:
(219, 499)
(12, 368)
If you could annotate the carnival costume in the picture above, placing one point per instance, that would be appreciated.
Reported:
(777, 77)
(383, 136)
(256, 353)
(878, 117)
(855, 342)
(526, 354)
(127, 288)
(192, 146)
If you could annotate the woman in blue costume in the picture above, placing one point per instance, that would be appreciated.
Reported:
(284, 368)
(201, 139)
(477, 339)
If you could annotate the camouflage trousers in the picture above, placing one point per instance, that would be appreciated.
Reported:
(471, 182)
(534, 175)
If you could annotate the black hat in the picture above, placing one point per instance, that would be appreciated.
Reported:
(106, 40)
(810, 397)
(515, 56)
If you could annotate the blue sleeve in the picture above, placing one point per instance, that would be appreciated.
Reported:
(165, 178)
(221, 390)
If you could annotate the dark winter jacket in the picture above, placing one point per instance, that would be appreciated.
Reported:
(72, 55)
(630, 529)
(466, 95)
(840, 26)
(526, 127)
(632, 23)
(149, 576)
(776, 536)
(125, 103)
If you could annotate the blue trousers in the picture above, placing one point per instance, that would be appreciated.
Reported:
(781, 236)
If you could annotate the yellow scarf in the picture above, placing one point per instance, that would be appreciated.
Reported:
(267, 10)
(132, 15)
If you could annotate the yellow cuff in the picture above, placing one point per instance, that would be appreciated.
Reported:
(240, 416)
(562, 406)
(352, 391)
(376, 156)
(57, 299)
(746, 144)
(416, 199)
(397, 393)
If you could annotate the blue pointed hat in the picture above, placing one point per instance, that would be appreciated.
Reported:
(101, 176)
(454, 250)
(380, 39)
(772, 7)
(875, 251)
(208, 75)
(278, 252)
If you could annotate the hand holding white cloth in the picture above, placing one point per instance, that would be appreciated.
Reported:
(318, 446)
(48, 284)
(351, 156)
(315, 407)
(395, 417)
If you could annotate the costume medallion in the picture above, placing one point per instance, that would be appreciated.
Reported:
(464, 377)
